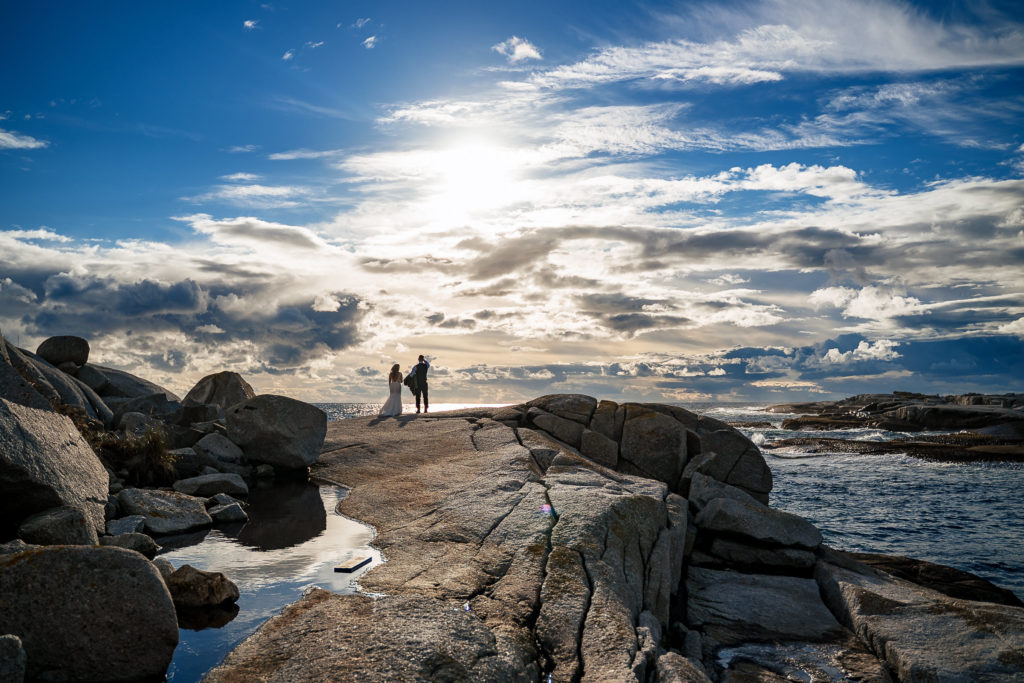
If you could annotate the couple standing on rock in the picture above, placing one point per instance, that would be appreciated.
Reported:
(416, 380)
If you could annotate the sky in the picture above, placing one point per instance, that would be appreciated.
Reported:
(657, 201)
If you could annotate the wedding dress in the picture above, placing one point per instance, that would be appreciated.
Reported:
(393, 406)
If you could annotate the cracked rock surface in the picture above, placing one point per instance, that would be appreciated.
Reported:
(512, 556)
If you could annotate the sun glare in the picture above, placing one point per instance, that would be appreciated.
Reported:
(472, 178)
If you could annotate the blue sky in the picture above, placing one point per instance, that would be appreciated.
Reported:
(652, 201)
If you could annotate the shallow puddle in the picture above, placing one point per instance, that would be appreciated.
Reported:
(293, 540)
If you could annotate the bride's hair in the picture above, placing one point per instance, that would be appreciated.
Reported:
(395, 372)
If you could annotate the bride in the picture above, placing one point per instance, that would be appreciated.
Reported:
(393, 406)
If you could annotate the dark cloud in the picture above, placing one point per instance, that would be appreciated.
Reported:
(149, 311)
(367, 371)
(420, 264)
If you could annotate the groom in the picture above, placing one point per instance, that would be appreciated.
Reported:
(421, 383)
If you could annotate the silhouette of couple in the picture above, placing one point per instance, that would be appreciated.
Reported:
(416, 380)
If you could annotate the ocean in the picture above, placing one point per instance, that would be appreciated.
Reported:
(964, 515)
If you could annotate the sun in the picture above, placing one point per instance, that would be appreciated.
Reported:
(471, 179)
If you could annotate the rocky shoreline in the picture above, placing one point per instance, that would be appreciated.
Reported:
(983, 428)
(564, 539)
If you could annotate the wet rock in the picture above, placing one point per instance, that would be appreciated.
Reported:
(126, 525)
(57, 350)
(166, 512)
(191, 587)
(58, 526)
(140, 543)
(164, 566)
(228, 514)
(752, 557)
(207, 485)
(277, 430)
(221, 499)
(922, 634)
(71, 606)
(13, 660)
(223, 389)
(45, 463)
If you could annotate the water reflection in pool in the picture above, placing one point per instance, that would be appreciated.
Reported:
(293, 540)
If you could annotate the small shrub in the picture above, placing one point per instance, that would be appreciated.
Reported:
(145, 457)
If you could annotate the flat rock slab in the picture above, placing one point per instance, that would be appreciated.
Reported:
(924, 635)
(467, 520)
(313, 641)
(166, 512)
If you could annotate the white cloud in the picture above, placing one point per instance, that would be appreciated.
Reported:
(241, 177)
(11, 140)
(312, 46)
(241, 149)
(42, 233)
(250, 231)
(251, 24)
(361, 22)
(517, 49)
(288, 55)
(882, 349)
(370, 42)
(871, 303)
(254, 195)
(304, 154)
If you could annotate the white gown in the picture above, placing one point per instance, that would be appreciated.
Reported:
(393, 406)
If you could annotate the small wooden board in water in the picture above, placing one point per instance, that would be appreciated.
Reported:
(352, 565)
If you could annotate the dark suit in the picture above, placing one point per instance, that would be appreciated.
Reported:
(421, 385)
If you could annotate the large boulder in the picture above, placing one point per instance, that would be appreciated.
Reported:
(126, 385)
(576, 407)
(166, 512)
(45, 463)
(223, 389)
(57, 386)
(191, 588)
(218, 447)
(207, 485)
(653, 445)
(64, 349)
(58, 526)
(12, 659)
(14, 387)
(278, 430)
(88, 614)
(758, 522)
